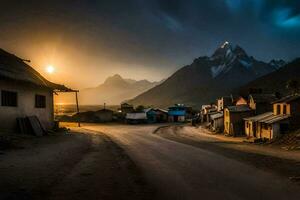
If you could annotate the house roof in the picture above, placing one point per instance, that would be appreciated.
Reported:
(287, 99)
(147, 110)
(104, 111)
(217, 115)
(239, 108)
(161, 110)
(274, 118)
(263, 98)
(259, 117)
(14, 68)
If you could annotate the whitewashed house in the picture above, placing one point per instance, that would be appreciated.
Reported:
(24, 92)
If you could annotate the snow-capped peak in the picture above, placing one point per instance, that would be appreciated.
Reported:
(226, 56)
(225, 45)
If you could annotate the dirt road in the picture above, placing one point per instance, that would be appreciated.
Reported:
(182, 170)
(80, 165)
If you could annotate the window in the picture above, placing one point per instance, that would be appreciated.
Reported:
(9, 98)
(40, 101)
(284, 109)
(278, 109)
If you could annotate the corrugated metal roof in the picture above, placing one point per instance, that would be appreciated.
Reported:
(14, 68)
(259, 117)
(239, 108)
(274, 118)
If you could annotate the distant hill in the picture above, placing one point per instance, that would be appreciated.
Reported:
(207, 78)
(275, 81)
(114, 90)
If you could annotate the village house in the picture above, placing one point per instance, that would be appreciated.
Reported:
(217, 122)
(24, 92)
(266, 125)
(261, 103)
(289, 105)
(177, 113)
(271, 125)
(233, 119)
(104, 115)
(151, 115)
(207, 111)
(161, 115)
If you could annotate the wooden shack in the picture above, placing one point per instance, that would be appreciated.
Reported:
(233, 119)
(217, 122)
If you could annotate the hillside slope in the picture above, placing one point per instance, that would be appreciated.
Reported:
(114, 90)
(207, 78)
(275, 81)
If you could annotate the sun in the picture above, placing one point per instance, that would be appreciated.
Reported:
(50, 69)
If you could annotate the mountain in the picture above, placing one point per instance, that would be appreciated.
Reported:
(275, 81)
(114, 90)
(207, 78)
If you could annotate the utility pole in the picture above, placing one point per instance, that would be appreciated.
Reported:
(77, 107)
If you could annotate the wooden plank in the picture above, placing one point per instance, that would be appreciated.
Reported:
(36, 126)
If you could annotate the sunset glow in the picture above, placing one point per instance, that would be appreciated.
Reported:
(50, 69)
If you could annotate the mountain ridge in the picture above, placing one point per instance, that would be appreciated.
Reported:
(207, 78)
(114, 90)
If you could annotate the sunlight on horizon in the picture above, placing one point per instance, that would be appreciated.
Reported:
(50, 69)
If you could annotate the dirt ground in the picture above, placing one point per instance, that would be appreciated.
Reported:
(270, 159)
(78, 165)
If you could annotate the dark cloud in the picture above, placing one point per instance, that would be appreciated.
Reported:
(155, 33)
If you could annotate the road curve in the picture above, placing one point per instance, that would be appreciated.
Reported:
(181, 171)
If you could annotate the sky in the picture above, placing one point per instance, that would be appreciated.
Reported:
(87, 41)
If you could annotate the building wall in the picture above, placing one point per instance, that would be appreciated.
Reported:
(275, 131)
(266, 131)
(270, 131)
(252, 104)
(249, 128)
(218, 124)
(105, 116)
(233, 122)
(26, 105)
(281, 105)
